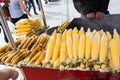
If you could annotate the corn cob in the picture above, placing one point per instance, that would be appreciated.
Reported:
(40, 59)
(88, 44)
(81, 31)
(63, 51)
(103, 49)
(81, 50)
(21, 33)
(64, 35)
(5, 57)
(22, 43)
(2, 49)
(56, 63)
(23, 26)
(109, 35)
(95, 47)
(94, 32)
(23, 30)
(115, 34)
(59, 35)
(26, 43)
(56, 51)
(75, 43)
(50, 49)
(115, 54)
(101, 32)
(69, 44)
(35, 57)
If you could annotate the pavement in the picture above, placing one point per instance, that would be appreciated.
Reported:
(56, 13)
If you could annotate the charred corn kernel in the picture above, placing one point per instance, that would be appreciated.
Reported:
(64, 35)
(81, 47)
(35, 57)
(56, 63)
(88, 44)
(109, 35)
(23, 26)
(75, 43)
(50, 49)
(56, 51)
(115, 54)
(95, 47)
(103, 48)
(63, 51)
(81, 31)
(40, 59)
(101, 32)
(115, 34)
(69, 44)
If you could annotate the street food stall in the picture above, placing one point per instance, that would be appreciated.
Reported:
(80, 49)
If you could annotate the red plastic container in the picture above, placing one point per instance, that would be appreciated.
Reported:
(37, 73)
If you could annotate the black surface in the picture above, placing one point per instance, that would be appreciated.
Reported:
(108, 23)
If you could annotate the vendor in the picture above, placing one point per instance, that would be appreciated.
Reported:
(94, 9)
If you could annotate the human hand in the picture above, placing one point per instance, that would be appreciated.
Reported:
(100, 15)
(91, 15)
(8, 73)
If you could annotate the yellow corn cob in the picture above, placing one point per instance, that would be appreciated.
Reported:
(95, 47)
(40, 59)
(69, 44)
(56, 63)
(63, 51)
(23, 26)
(81, 50)
(88, 44)
(54, 34)
(50, 49)
(64, 35)
(81, 31)
(26, 43)
(35, 57)
(115, 54)
(75, 43)
(101, 32)
(59, 35)
(109, 35)
(22, 22)
(2, 49)
(23, 30)
(56, 51)
(103, 49)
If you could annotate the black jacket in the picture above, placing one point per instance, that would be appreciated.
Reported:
(87, 6)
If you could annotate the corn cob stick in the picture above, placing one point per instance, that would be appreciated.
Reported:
(75, 43)
(69, 44)
(95, 47)
(103, 49)
(35, 57)
(50, 49)
(56, 51)
(56, 63)
(114, 51)
(81, 51)
(88, 44)
(63, 52)
(40, 59)
(81, 31)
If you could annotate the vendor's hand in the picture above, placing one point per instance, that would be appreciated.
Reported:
(100, 15)
(8, 73)
(91, 15)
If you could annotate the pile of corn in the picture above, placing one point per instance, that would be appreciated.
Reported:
(77, 49)
(29, 27)
(29, 50)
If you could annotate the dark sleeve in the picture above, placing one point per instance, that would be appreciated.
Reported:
(104, 6)
(83, 6)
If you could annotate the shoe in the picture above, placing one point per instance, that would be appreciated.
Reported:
(36, 14)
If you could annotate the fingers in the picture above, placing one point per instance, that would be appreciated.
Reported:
(91, 15)
(100, 15)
